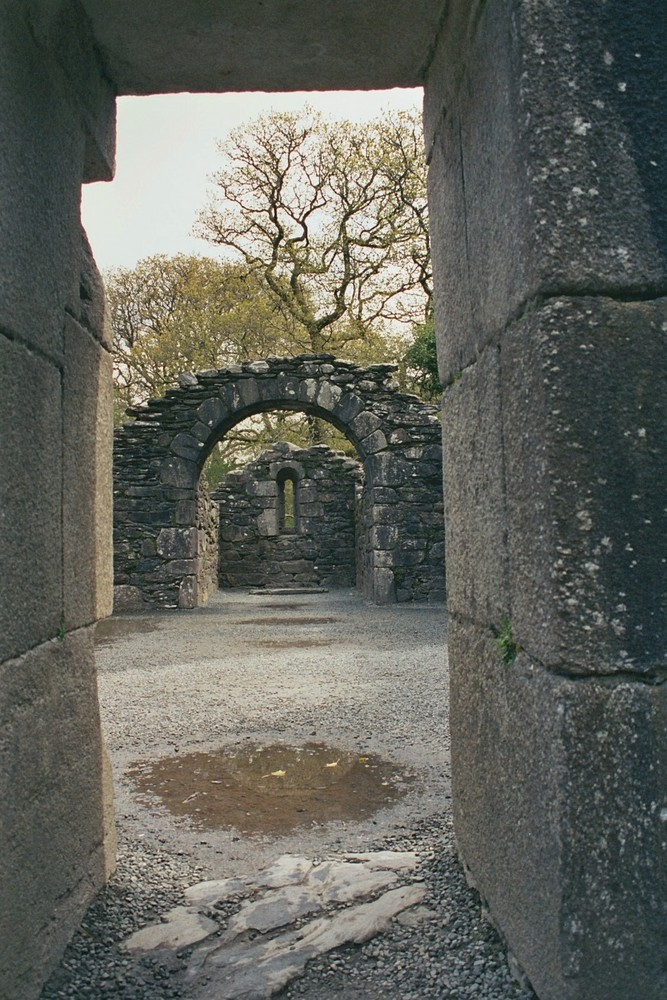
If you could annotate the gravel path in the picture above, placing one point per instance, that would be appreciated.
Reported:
(296, 668)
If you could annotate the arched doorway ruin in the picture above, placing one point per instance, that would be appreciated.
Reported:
(158, 460)
(547, 198)
(290, 518)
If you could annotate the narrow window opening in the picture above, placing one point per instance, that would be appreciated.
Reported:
(287, 503)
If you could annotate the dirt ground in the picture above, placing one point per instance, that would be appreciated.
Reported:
(350, 682)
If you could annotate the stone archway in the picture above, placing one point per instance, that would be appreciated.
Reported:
(547, 201)
(158, 459)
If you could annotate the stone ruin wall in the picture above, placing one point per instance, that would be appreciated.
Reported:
(159, 455)
(545, 139)
(256, 552)
(207, 543)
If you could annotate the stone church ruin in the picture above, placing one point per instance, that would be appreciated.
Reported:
(161, 544)
(545, 137)
(290, 519)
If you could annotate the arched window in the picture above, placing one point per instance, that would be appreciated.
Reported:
(288, 502)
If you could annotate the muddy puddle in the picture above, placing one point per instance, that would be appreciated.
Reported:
(292, 643)
(109, 629)
(289, 606)
(276, 620)
(258, 789)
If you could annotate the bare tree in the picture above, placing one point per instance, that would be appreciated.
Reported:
(332, 217)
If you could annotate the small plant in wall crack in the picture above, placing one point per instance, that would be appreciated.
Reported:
(505, 643)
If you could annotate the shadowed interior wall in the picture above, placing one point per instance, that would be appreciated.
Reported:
(548, 172)
(261, 546)
(546, 141)
(56, 842)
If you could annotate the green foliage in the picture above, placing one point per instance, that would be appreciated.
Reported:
(419, 363)
(325, 230)
(331, 217)
(182, 313)
(505, 643)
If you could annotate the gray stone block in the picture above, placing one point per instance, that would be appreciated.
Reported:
(328, 396)
(548, 167)
(181, 567)
(477, 191)
(296, 567)
(348, 407)
(267, 523)
(382, 585)
(288, 386)
(177, 543)
(128, 598)
(178, 472)
(596, 155)
(212, 411)
(477, 584)
(384, 536)
(231, 399)
(559, 807)
(54, 789)
(92, 313)
(389, 469)
(308, 390)
(586, 464)
(185, 512)
(187, 593)
(373, 443)
(87, 478)
(446, 68)
(187, 446)
(248, 391)
(30, 500)
(262, 489)
(62, 30)
(44, 141)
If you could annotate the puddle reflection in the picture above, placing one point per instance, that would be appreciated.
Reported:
(275, 620)
(274, 789)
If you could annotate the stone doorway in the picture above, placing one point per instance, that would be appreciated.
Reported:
(160, 546)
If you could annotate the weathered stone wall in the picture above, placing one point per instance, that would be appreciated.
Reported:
(546, 141)
(545, 133)
(319, 550)
(57, 114)
(207, 543)
(159, 456)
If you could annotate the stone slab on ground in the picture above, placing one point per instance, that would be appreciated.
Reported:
(258, 948)
(214, 891)
(181, 928)
(262, 968)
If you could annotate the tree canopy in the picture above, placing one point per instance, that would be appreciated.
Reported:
(331, 217)
(182, 313)
(419, 364)
(324, 230)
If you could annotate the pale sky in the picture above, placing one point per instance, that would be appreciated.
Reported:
(166, 154)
